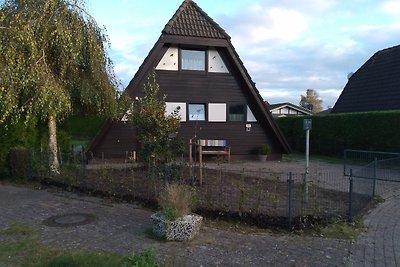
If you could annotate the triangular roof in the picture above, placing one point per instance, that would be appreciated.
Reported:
(190, 24)
(191, 20)
(290, 105)
(374, 86)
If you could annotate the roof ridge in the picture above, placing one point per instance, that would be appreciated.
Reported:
(386, 49)
(200, 23)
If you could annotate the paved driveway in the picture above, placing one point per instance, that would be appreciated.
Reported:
(121, 228)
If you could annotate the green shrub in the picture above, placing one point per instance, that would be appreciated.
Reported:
(19, 163)
(145, 259)
(265, 149)
(176, 200)
(14, 135)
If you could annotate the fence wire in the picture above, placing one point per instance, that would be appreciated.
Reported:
(255, 194)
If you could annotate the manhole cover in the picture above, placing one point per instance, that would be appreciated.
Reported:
(71, 219)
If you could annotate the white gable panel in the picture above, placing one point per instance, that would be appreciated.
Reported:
(170, 60)
(215, 62)
(172, 106)
(217, 112)
(250, 115)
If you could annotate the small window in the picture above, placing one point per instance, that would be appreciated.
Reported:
(171, 107)
(237, 112)
(216, 112)
(197, 112)
(193, 60)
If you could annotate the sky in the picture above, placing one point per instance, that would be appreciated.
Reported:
(287, 46)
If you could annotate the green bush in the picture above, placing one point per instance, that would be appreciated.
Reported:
(333, 133)
(19, 163)
(145, 259)
(14, 135)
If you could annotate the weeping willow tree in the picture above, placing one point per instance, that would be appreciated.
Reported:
(53, 63)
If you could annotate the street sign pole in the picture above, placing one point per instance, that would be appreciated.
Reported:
(307, 125)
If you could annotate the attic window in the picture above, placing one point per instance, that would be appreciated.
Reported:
(193, 60)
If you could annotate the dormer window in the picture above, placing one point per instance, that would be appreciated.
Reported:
(193, 60)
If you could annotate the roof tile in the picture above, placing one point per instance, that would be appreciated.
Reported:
(374, 86)
(190, 20)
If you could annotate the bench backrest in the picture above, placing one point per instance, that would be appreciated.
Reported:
(212, 142)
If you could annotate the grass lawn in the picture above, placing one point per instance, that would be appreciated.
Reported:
(327, 159)
(20, 245)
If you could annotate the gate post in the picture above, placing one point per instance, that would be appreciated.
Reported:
(375, 171)
(84, 170)
(290, 199)
(350, 213)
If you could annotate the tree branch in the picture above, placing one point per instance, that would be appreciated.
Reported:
(43, 57)
(82, 10)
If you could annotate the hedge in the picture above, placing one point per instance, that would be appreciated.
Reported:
(331, 134)
(16, 137)
(82, 127)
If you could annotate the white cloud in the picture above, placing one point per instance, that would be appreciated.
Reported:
(261, 24)
(329, 96)
(287, 46)
(392, 7)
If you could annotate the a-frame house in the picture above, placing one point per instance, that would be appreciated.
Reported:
(199, 70)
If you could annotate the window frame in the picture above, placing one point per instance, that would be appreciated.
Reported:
(244, 107)
(205, 59)
(189, 113)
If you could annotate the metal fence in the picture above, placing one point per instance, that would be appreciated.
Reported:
(258, 196)
(371, 174)
(375, 172)
(353, 159)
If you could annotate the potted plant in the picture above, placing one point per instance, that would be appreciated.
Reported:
(264, 151)
(175, 222)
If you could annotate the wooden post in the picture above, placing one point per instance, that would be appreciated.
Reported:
(190, 151)
(201, 164)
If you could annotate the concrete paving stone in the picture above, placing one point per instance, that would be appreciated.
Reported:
(379, 244)
(122, 228)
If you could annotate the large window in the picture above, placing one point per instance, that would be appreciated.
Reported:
(193, 60)
(197, 112)
(237, 112)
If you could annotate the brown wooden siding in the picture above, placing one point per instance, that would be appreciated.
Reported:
(121, 137)
(119, 141)
(199, 87)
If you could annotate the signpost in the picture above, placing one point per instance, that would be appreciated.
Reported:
(307, 125)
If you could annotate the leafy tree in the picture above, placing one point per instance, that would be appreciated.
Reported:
(53, 62)
(154, 126)
(311, 101)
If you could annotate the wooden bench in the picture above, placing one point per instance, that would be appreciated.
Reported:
(211, 147)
